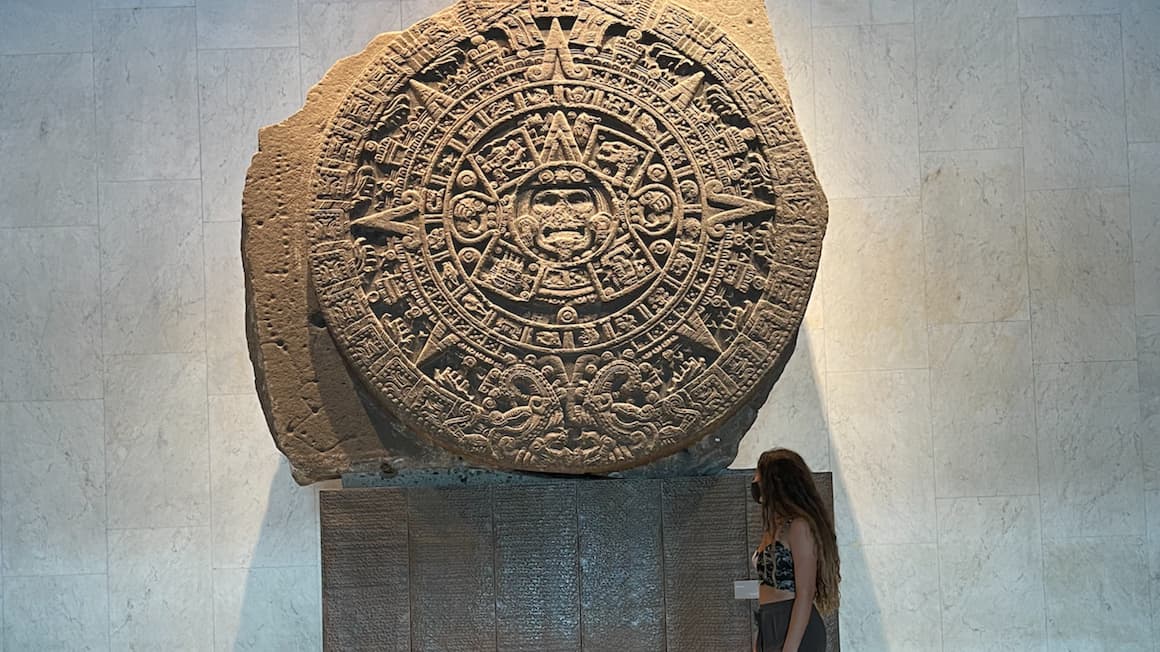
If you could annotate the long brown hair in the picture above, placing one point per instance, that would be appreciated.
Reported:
(788, 491)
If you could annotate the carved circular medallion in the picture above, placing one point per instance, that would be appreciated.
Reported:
(564, 235)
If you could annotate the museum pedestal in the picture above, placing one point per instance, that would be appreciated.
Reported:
(551, 564)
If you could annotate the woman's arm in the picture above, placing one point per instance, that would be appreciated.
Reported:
(805, 571)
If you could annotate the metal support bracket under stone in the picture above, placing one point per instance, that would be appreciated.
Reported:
(486, 564)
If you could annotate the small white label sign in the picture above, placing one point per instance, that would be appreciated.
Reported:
(745, 590)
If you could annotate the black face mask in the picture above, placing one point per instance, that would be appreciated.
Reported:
(755, 491)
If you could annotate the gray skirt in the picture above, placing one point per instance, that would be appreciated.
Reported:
(773, 623)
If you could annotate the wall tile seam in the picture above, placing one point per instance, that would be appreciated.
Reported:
(51, 227)
(870, 25)
(265, 567)
(938, 547)
(263, 48)
(111, 182)
(831, 198)
(1039, 524)
(975, 322)
(190, 352)
(159, 527)
(141, 6)
(3, 626)
(13, 55)
(930, 397)
(1031, 191)
(956, 150)
(1141, 538)
(1079, 14)
(31, 576)
(64, 399)
(1064, 363)
(1153, 622)
(50, 401)
(104, 361)
(1127, 139)
(213, 394)
(1072, 14)
(997, 496)
(929, 542)
(875, 370)
(211, 498)
(126, 356)
(1131, 235)
(248, 48)
(1140, 398)
(888, 544)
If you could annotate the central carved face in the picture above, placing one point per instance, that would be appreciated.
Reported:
(561, 219)
(563, 216)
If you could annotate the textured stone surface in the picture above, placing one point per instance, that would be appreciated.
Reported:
(641, 565)
(537, 599)
(365, 571)
(452, 544)
(548, 246)
(705, 541)
(621, 563)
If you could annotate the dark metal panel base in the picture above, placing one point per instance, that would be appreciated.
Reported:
(452, 570)
(537, 603)
(621, 566)
(365, 561)
(594, 565)
(706, 548)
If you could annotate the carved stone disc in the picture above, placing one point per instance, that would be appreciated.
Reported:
(565, 235)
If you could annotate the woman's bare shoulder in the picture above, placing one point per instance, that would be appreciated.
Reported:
(799, 529)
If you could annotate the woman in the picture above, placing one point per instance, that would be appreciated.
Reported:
(797, 562)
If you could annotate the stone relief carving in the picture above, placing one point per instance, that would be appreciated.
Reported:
(561, 235)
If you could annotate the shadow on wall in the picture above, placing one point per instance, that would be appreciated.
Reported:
(275, 607)
(795, 416)
(860, 614)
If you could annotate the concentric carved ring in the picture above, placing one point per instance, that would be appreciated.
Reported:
(564, 235)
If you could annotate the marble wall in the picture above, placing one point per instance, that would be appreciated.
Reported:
(980, 367)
